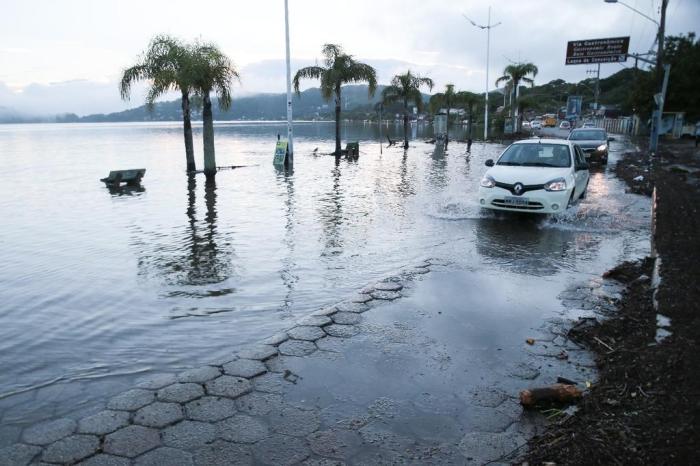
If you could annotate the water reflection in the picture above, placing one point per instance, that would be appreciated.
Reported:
(517, 242)
(331, 215)
(288, 272)
(437, 175)
(203, 257)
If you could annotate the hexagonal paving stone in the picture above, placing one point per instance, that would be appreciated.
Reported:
(105, 460)
(189, 434)
(352, 307)
(388, 286)
(18, 454)
(131, 400)
(298, 347)
(276, 339)
(246, 368)
(281, 450)
(318, 321)
(342, 331)
(332, 344)
(210, 409)
(199, 374)
(259, 404)
(335, 443)
(276, 364)
(361, 298)
(323, 462)
(221, 453)
(270, 383)
(243, 429)
(180, 392)
(305, 332)
(326, 311)
(103, 422)
(158, 414)
(156, 381)
(48, 432)
(71, 449)
(347, 318)
(165, 456)
(228, 386)
(386, 295)
(131, 441)
(260, 352)
(294, 421)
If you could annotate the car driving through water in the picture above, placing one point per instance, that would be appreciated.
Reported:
(593, 142)
(535, 175)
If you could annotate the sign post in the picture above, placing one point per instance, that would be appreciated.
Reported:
(281, 154)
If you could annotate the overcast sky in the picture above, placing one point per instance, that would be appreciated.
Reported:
(66, 56)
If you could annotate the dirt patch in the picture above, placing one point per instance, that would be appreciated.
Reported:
(645, 407)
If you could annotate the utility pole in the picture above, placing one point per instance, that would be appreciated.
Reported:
(290, 131)
(596, 93)
(488, 28)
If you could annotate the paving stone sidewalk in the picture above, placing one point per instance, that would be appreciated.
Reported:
(345, 386)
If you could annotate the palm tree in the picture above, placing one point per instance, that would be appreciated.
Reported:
(165, 64)
(405, 88)
(444, 99)
(212, 71)
(340, 69)
(514, 74)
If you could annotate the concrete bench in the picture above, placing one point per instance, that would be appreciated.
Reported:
(131, 177)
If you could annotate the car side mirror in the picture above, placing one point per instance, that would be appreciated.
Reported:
(489, 163)
(611, 139)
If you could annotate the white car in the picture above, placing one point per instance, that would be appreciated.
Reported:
(536, 124)
(564, 125)
(542, 176)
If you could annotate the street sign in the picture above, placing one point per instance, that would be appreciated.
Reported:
(280, 154)
(610, 50)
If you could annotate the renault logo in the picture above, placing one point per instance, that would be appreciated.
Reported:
(518, 188)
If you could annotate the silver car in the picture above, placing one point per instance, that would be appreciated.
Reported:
(593, 142)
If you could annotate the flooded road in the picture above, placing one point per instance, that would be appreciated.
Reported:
(100, 289)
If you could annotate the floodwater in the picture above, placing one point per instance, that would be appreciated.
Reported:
(99, 288)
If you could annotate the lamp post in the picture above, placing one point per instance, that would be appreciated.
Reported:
(488, 27)
(290, 131)
(661, 79)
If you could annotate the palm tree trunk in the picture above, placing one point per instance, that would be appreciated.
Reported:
(337, 122)
(189, 145)
(208, 136)
(516, 125)
(405, 124)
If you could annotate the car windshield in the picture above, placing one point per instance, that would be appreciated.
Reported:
(536, 155)
(588, 135)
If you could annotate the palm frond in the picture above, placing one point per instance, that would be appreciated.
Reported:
(309, 72)
(362, 72)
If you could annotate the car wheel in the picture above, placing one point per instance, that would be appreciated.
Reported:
(583, 194)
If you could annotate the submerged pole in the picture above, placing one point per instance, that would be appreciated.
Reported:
(290, 131)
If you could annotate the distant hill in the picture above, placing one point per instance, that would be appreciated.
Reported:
(615, 92)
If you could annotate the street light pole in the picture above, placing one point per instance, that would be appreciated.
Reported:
(661, 79)
(488, 28)
(290, 131)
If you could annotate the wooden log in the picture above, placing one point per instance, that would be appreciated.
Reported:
(557, 393)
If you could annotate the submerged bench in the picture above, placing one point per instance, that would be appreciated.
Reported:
(131, 177)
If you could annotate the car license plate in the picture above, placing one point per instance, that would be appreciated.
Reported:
(515, 201)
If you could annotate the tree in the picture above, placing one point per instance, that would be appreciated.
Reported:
(444, 99)
(405, 88)
(212, 71)
(166, 64)
(340, 69)
(514, 74)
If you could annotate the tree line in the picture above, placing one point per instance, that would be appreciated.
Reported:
(199, 69)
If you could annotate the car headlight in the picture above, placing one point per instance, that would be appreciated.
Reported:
(487, 182)
(558, 184)
(602, 148)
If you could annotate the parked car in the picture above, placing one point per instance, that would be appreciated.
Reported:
(593, 142)
(526, 124)
(565, 125)
(535, 175)
(536, 124)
